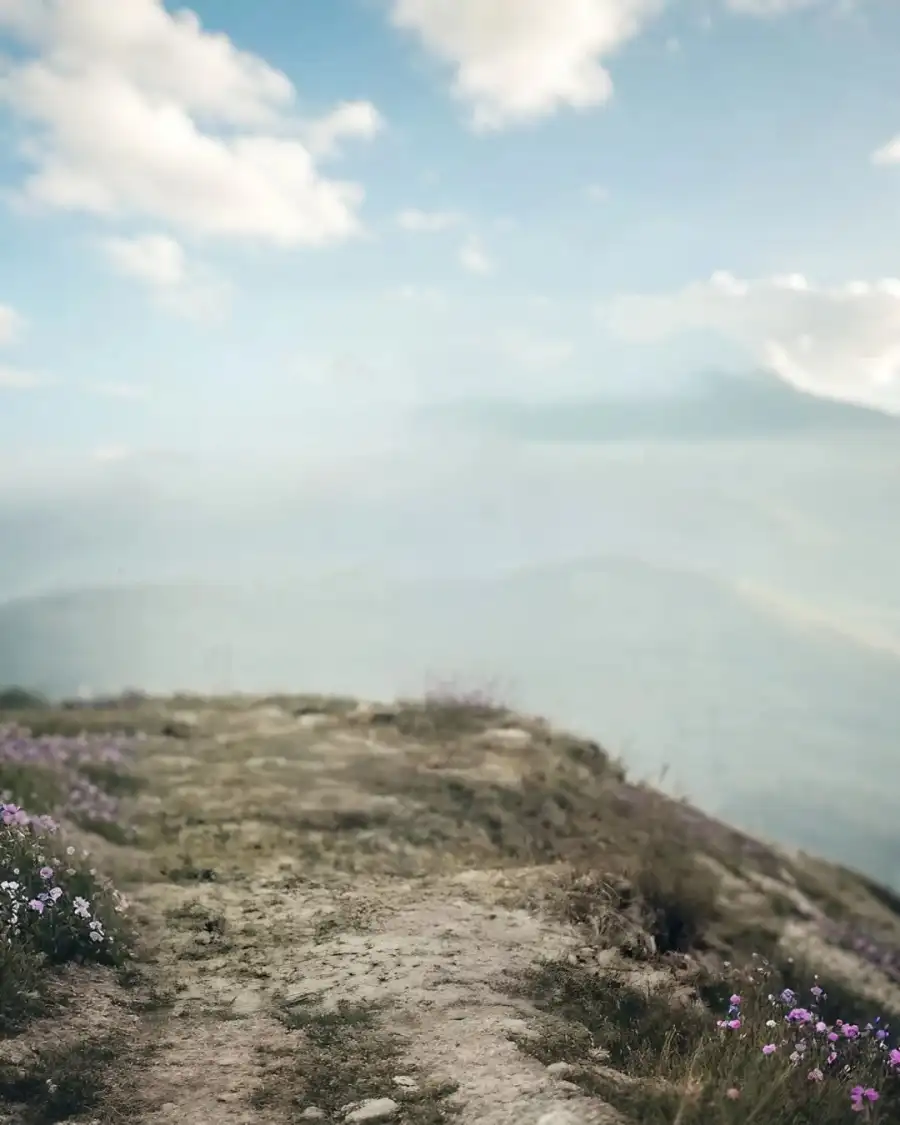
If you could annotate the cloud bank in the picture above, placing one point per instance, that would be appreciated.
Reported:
(133, 111)
(841, 342)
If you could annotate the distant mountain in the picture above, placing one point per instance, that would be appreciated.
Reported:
(711, 407)
(667, 665)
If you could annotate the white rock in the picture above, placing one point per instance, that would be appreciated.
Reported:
(247, 1000)
(507, 738)
(559, 1116)
(568, 1087)
(560, 1068)
(189, 718)
(374, 1109)
(405, 1081)
(312, 1113)
(312, 720)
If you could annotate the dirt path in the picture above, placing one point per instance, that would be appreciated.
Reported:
(328, 955)
(423, 958)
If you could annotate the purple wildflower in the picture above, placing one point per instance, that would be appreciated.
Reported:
(859, 1094)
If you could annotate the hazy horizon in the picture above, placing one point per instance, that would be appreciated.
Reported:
(355, 345)
(728, 611)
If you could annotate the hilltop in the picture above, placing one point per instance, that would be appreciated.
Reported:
(428, 911)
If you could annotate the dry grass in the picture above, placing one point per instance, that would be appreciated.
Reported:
(343, 1056)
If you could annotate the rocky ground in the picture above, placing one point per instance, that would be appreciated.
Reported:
(348, 911)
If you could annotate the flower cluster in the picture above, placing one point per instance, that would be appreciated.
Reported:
(52, 906)
(813, 1048)
(72, 761)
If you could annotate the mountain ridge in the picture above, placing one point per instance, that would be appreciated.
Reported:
(711, 406)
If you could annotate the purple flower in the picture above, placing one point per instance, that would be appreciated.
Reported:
(859, 1094)
(769, 1049)
(815, 1075)
(816, 991)
(788, 996)
(734, 1024)
(799, 1015)
(851, 1031)
(46, 872)
(820, 1027)
(833, 1037)
(37, 905)
(734, 1000)
(894, 1057)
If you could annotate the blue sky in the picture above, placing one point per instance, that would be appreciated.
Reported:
(272, 225)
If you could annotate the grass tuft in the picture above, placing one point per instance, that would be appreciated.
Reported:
(343, 1056)
(61, 1082)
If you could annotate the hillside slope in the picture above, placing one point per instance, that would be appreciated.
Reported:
(425, 912)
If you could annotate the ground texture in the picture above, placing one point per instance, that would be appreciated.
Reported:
(341, 906)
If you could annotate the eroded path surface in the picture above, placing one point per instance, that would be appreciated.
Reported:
(336, 896)
(315, 879)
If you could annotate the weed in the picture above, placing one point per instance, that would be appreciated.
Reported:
(61, 1082)
(448, 714)
(343, 1056)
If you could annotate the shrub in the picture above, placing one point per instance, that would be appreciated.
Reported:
(80, 778)
(771, 1056)
(53, 910)
(20, 699)
(679, 896)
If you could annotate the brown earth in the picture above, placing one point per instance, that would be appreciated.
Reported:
(337, 898)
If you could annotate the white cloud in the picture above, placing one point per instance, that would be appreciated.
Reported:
(159, 261)
(536, 353)
(11, 325)
(15, 379)
(358, 120)
(427, 221)
(519, 60)
(111, 453)
(888, 153)
(769, 8)
(842, 342)
(473, 258)
(118, 390)
(417, 294)
(596, 193)
(156, 259)
(141, 112)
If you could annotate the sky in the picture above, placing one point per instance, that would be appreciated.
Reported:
(284, 227)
